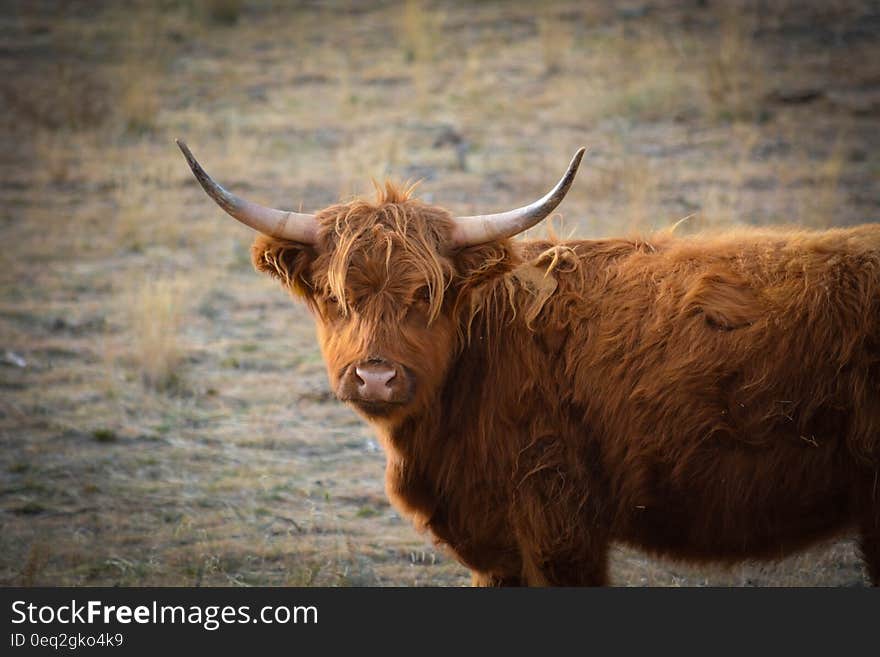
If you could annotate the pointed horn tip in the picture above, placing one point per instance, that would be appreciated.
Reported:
(192, 161)
(181, 144)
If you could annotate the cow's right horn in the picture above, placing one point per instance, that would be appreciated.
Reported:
(294, 226)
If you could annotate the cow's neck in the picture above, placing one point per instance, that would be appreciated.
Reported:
(439, 461)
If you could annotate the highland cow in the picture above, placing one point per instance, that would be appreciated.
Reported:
(708, 398)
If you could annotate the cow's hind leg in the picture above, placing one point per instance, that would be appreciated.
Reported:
(870, 548)
(869, 539)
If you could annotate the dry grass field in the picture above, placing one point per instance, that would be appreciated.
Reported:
(164, 413)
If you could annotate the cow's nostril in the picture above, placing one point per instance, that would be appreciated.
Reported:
(375, 380)
(373, 376)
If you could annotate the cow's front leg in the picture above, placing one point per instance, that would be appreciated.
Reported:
(583, 567)
(556, 543)
(488, 579)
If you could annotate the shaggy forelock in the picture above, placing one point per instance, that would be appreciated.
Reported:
(401, 232)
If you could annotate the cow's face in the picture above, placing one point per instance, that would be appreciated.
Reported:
(391, 283)
(384, 283)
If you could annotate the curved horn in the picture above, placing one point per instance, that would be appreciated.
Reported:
(487, 227)
(294, 226)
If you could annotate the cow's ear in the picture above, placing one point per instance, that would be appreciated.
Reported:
(287, 261)
(478, 265)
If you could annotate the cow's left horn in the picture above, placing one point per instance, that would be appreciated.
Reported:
(294, 226)
(487, 227)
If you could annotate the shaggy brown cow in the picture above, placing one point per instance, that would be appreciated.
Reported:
(709, 398)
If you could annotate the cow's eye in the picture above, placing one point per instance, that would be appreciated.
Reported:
(423, 295)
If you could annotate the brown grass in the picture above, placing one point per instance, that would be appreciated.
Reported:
(418, 32)
(420, 27)
(173, 424)
(156, 316)
(556, 40)
(818, 210)
(735, 71)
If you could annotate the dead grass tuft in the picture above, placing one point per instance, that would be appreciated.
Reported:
(156, 311)
(418, 32)
(640, 185)
(139, 102)
(36, 562)
(818, 208)
(137, 80)
(734, 73)
(556, 42)
(420, 29)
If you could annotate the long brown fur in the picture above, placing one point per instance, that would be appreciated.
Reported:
(709, 398)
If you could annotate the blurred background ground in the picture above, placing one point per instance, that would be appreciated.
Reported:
(164, 413)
